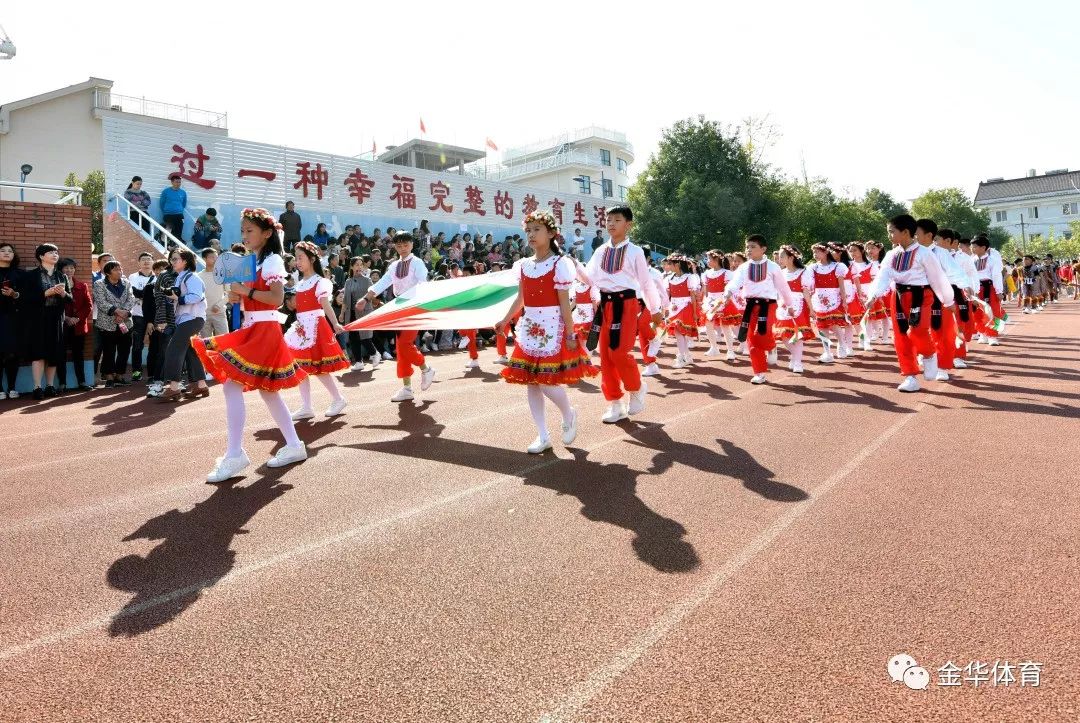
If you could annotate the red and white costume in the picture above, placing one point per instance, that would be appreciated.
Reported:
(970, 288)
(914, 276)
(620, 271)
(586, 297)
(786, 327)
(254, 356)
(645, 331)
(541, 354)
(310, 338)
(988, 269)
(762, 283)
(945, 336)
(682, 314)
(404, 274)
(825, 294)
(859, 278)
(714, 281)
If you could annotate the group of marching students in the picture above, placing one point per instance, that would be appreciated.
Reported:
(932, 293)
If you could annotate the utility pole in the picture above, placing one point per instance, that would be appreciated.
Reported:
(1023, 236)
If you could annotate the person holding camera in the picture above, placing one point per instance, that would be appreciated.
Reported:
(114, 301)
(188, 297)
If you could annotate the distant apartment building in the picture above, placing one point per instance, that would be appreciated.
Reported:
(1033, 204)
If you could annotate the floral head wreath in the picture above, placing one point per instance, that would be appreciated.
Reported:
(260, 214)
(823, 247)
(311, 248)
(791, 251)
(541, 216)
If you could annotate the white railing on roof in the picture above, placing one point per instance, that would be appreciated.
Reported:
(74, 193)
(107, 100)
(571, 137)
(124, 208)
(512, 170)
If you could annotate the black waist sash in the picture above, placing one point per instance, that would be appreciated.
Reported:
(961, 303)
(986, 289)
(748, 315)
(615, 299)
(914, 314)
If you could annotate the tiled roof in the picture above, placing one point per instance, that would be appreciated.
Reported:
(990, 191)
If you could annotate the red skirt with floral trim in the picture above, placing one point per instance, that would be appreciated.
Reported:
(325, 355)
(855, 310)
(731, 315)
(789, 329)
(878, 311)
(833, 319)
(254, 357)
(566, 367)
(685, 322)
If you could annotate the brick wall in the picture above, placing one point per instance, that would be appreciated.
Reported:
(28, 225)
(125, 243)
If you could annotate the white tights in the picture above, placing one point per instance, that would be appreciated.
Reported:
(845, 335)
(236, 415)
(683, 344)
(558, 397)
(796, 353)
(327, 381)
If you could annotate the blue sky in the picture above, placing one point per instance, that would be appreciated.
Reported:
(900, 95)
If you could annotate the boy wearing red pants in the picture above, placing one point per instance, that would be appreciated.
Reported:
(405, 273)
(988, 268)
(619, 270)
(912, 273)
(943, 332)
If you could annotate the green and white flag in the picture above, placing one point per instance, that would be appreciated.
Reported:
(467, 302)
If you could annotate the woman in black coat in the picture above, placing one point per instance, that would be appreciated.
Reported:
(43, 293)
(10, 346)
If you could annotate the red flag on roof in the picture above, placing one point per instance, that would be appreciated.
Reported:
(422, 128)
(491, 144)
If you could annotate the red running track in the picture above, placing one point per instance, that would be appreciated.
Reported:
(736, 553)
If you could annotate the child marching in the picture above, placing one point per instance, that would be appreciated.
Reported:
(795, 329)
(619, 270)
(714, 280)
(860, 274)
(878, 318)
(913, 275)
(988, 268)
(762, 282)
(828, 308)
(943, 326)
(649, 339)
(255, 356)
(547, 354)
(405, 273)
(311, 339)
(683, 289)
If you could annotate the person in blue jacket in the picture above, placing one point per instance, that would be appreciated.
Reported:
(173, 202)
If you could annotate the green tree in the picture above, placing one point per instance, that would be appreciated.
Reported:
(883, 203)
(93, 195)
(951, 208)
(811, 212)
(700, 190)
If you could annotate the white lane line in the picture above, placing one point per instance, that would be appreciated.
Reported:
(322, 544)
(580, 695)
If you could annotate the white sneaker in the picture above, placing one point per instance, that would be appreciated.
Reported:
(841, 353)
(288, 455)
(826, 358)
(1027, 310)
(866, 345)
(386, 355)
(569, 429)
(503, 360)
(712, 351)
(426, 378)
(303, 413)
(796, 369)
(228, 467)
(651, 370)
(357, 367)
(688, 358)
(930, 368)
(637, 400)
(992, 341)
(680, 363)
(3, 394)
(959, 364)
(730, 356)
(654, 345)
(691, 343)
(403, 395)
(464, 343)
(472, 364)
(376, 361)
(910, 384)
(616, 412)
(757, 379)
(209, 377)
(743, 349)
(942, 376)
(539, 446)
(336, 408)
(771, 357)
(13, 395)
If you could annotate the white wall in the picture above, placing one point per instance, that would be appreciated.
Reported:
(1050, 215)
(55, 137)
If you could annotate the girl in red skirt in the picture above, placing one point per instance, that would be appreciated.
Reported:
(683, 289)
(846, 331)
(255, 356)
(311, 339)
(546, 353)
(878, 320)
(827, 307)
(860, 275)
(714, 281)
(793, 331)
(586, 297)
(731, 316)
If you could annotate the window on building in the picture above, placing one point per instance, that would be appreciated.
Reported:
(622, 192)
(1033, 212)
(1068, 209)
(620, 165)
(605, 157)
(1001, 216)
(607, 188)
(586, 184)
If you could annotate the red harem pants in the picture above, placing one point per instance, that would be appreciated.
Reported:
(645, 333)
(990, 297)
(618, 368)
(917, 340)
(945, 339)
(760, 344)
(408, 356)
(470, 334)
